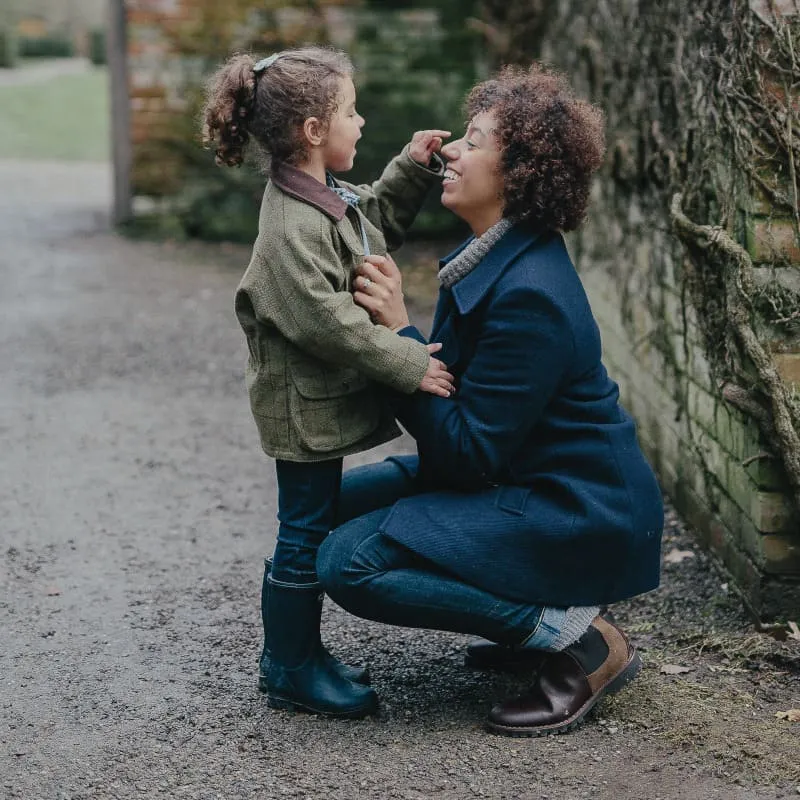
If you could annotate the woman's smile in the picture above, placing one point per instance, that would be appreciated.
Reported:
(450, 176)
(472, 186)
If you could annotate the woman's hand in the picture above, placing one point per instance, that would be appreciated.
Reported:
(424, 144)
(379, 289)
(437, 379)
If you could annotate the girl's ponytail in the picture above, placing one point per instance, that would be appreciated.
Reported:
(230, 96)
(292, 86)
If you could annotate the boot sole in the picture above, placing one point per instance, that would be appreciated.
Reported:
(285, 704)
(628, 673)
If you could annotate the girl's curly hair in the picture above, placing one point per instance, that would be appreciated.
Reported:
(271, 107)
(551, 141)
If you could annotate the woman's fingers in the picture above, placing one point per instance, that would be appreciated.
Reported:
(369, 270)
(434, 347)
(383, 264)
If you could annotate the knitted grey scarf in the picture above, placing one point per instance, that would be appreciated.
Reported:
(472, 254)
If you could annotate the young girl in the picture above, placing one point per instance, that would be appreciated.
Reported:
(315, 356)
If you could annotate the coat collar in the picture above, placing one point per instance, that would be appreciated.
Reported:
(472, 288)
(302, 186)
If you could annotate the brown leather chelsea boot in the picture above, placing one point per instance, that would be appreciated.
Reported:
(570, 683)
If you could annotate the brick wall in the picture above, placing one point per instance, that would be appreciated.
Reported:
(711, 458)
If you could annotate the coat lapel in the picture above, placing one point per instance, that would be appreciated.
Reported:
(472, 288)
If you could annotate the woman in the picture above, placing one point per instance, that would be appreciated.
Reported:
(529, 504)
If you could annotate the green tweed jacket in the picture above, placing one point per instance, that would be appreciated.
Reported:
(315, 357)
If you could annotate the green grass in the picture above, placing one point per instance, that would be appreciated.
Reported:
(62, 119)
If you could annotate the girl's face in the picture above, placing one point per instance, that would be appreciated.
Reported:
(339, 148)
(473, 184)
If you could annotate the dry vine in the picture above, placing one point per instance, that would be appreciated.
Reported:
(755, 120)
(780, 428)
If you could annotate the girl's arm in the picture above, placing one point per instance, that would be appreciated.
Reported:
(393, 201)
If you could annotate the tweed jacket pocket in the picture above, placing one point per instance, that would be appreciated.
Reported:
(330, 407)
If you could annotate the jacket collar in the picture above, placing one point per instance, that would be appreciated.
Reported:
(302, 186)
(472, 288)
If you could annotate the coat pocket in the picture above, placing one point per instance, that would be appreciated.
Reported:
(331, 408)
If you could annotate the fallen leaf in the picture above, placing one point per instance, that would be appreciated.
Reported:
(792, 715)
(794, 631)
(675, 556)
(674, 669)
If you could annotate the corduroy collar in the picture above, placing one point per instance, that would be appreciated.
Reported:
(302, 186)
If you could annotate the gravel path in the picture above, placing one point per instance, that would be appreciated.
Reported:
(135, 509)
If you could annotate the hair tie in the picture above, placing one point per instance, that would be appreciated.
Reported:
(265, 63)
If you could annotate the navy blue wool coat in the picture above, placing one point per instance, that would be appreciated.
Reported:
(535, 486)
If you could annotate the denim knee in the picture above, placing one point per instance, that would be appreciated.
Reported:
(328, 571)
(338, 569)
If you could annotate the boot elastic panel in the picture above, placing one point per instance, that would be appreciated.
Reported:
(590, 651)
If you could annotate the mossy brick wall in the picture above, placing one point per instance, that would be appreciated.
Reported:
(711, 458)
(155, 88)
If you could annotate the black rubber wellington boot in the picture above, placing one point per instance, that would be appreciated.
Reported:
(355, 674)
(299, 677)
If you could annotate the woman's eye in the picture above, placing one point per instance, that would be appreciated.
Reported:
(470, 145)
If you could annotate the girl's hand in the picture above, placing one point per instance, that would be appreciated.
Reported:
(437, 379)
(379, 290)
(424, 144)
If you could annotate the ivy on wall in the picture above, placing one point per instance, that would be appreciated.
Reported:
(704, 141)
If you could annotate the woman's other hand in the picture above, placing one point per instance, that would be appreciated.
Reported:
(424, 144)
(437, 379)
(379, 289)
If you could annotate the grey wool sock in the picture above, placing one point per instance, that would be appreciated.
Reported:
(575, 624)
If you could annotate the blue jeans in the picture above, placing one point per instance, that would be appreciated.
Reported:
(374, 577)
(308, 501)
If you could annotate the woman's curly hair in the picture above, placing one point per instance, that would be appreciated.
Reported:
(551, 141)
(271, 107)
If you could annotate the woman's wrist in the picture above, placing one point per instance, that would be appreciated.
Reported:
(403, 323)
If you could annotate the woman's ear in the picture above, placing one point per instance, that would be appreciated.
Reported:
(313, 131)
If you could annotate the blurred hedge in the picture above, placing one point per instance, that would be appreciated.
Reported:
(45, 47)
(414, 71)
(97, 47)
(414, 63)
(9, 48)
